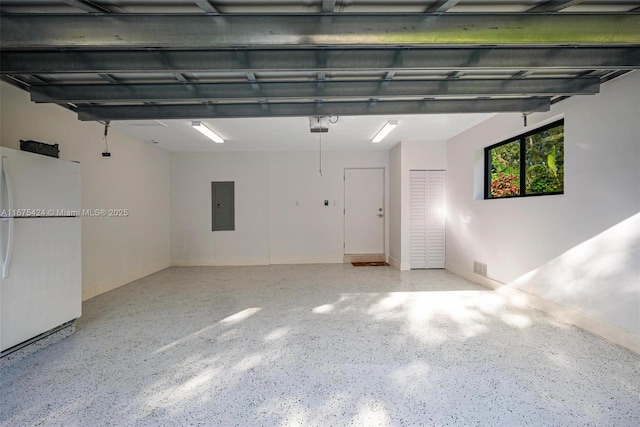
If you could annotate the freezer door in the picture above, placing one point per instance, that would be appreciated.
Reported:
(43, 289)
(37, 183)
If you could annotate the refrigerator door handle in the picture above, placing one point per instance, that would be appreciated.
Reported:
(6, 177)
(6, 262)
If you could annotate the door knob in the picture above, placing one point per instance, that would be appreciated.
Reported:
(380, 215)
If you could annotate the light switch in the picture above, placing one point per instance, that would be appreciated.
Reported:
(326, 203)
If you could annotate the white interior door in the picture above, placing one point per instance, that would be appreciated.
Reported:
(427, 219)
(364, 211)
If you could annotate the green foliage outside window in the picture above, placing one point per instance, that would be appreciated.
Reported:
(531, 164)
(505, 170)
(545, 161)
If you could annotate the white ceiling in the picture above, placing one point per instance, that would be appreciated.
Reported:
(350, 133)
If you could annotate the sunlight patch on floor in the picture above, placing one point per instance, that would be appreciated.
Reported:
(423, 311)
(372, 412)
(183, 340)
(230, 320)
(516, 320)
(196, 388)
(247, 363)
(277, 334)
(325, 308)
(241, 315)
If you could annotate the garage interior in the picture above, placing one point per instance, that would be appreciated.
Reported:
(533, 317)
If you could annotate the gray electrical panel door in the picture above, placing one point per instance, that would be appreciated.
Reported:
(222, 201)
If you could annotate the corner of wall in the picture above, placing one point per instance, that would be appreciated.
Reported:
(115, 251)
(93, 290)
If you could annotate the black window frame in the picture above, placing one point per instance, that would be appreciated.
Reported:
(523, 166)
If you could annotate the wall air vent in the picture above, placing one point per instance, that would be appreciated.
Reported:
(480, 268)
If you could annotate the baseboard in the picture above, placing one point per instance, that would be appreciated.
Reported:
(90, 291)
(396, 263)
(307, 260)
(393, 262)
(565, 314)
(221, 262)
(348, 259)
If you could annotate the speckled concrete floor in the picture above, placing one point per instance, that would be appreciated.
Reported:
(325, 345)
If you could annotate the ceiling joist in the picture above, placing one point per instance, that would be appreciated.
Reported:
(328, 6)
(127, 93)
(315, 108)
(456, 58)
(179, 31)
(253, 60)
(440, 6)
(554, 5)
(206, 6)
(87, 6)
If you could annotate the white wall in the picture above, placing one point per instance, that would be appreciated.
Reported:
(538, 244)
(115, 251)
(270, 227)
(311, 232)
(192, 241)
(395, 205)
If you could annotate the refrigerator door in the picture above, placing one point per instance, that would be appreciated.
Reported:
(36, 185)
(43, 289)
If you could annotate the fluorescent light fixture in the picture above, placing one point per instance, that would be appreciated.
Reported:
(200, 127)
(391, 124)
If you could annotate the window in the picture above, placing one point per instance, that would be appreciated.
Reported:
(531, 164)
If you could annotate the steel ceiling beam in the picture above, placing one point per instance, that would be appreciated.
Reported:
(310, 89)
(328, 6)
(109, 78)
(206, 6)
(441, 6)
(200, 31)
(554, 5)
(512, 58)
(87, 6)
(320, 108)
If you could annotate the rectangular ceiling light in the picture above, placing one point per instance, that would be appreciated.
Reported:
(200, 127)
(391, 124)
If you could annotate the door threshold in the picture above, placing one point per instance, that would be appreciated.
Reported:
(349, 258)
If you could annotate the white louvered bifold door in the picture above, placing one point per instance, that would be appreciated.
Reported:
(427, 219)
(418, 218)
(435, 219)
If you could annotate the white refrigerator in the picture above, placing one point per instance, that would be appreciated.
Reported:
(40, 284)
